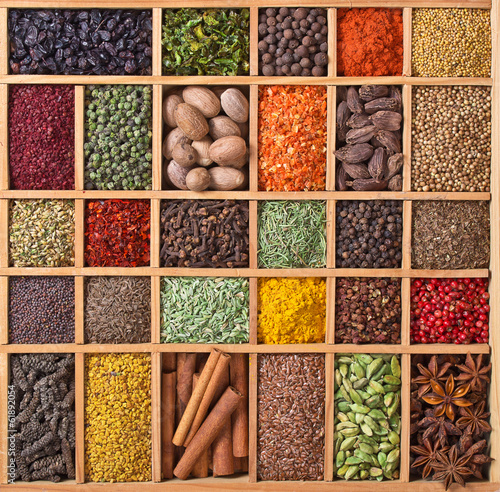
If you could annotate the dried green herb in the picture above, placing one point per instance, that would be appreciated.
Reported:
(206, 42)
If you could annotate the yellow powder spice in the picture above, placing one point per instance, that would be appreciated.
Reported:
(291, 310)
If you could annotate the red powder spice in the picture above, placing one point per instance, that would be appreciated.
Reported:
(369, 42)
(42, 137)
(292, 138)
(117, 233)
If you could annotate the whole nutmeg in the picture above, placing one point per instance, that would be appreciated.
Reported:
(184, 154)
(198, 179)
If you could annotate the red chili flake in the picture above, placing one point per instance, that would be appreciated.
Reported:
(42, 137)
(117, 233)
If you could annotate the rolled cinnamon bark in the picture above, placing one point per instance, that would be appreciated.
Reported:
(222, 449)
(168, 384)
(186, 364)
(200, 469)
(208, 431)
(196, 397)
(219, 376)
(169, 362)
(239, 380)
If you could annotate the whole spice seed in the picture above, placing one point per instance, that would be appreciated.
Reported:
(117, 233)
(449, 311)
(41, 310)
(369, 42)
(206, 42)
(369, 234)
(118, 310)
(450, 235)
(118, 128)
(204, 233)
(462, 49)
(292, 234)
(367, 416)
(42, 137)
(80, 42)
(368, 310)
(291, 417)
(118, 417)
(43, 427)
(204, 310)
(451, 138)
(42, 233)
(291, 310)
(292, 138)
(293, 41)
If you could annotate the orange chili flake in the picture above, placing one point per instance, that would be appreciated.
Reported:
(292, 138)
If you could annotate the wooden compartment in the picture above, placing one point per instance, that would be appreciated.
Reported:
(79, 271)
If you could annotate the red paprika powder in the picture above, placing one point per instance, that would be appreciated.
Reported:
(369, 42)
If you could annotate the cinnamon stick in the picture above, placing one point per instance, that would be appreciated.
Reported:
(219, 376)
(168, 383)
(208, 431)
(200, 469)
(222, 449)
(196, 397)
(239, 380)
(186, 364)
(169, 362)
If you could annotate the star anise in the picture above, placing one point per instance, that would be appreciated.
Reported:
(448, 397)
(450, 467)
(474, 420)
(438, 426)
(430, 373)
(427, 455)
(477, 459)
(474, 373)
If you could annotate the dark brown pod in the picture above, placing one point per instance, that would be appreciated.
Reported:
(381, 104)
(355, 153)
(395, 93)
(377, 165)
(389, 141)
(358, 120)
(341, 179)
(353, 101)
(386, 120)
(368, 185)
(370, 92)
(360, 135)
(394, 165)
(356, 171)
(396, 183)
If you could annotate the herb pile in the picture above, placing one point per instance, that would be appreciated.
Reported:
(206, 42)
(449, 417)
(292, 234)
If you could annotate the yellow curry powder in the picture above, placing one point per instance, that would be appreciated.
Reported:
(291, 310)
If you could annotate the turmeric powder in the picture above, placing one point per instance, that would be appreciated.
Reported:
(291, 310)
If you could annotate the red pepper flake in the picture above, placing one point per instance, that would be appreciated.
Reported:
(292, 138)
(42, 137)
(117, 233)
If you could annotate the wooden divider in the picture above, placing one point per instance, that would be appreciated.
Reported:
(157, 136)
(155, 309)
(79, 137)
(79, 417)
(253, 129)
(4, 133)
(254, 40)
(79, 310)
(79, 234)
(4, 417)
(4, 310)
(407, 28)
(407, 90)
(157, 47)
(332, 43)
(252, 418)
(4, 234)
(253, 304)
(405, 418)
(156, 373)
(329, 415)
(330, 137)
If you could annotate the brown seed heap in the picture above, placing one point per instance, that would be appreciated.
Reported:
(293, 41)
(368, 310)
(43, 427)
(291, 417)
(369, 234)
(118, 310)
(450, 235)
(451, 138)
(369, 138)
(41, 310)
(449, 417)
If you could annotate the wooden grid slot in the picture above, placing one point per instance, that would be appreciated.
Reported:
(250, 85)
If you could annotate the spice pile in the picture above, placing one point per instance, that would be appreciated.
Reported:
(206, 42)
(41, 310)
(292, 234)
(368, 310)
(206, 142)
(80, 42)
(118, 310)
(449, 417)
(204, 310)
(367, 417)
(449, 310)
(42, 137)
(451, 138)
(293, 41)
(43, 427)
(462, 48)
(369, 138)
(450, 235)
(118, 131)
(292, 138)
(369, 42)
(118, 417)
(291, 417)
(117, 233)
(369, 234)
(291, 310)
(204, 233)
(204, 420)
(42, 233)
